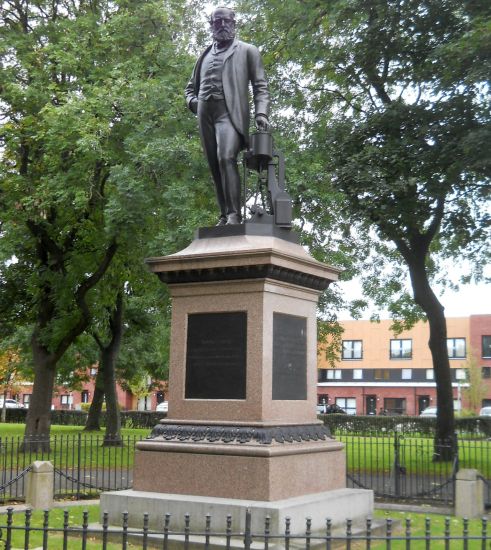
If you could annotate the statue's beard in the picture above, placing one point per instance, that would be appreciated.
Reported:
(223, 34)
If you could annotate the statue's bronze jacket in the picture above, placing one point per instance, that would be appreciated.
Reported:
(242, 64)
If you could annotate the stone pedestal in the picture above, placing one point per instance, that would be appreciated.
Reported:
(337, 505)
(469, 494)
(39, 491)
(242, 421)
(261, 472)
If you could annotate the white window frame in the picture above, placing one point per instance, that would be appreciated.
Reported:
(452, 347)
(484, 354)
(334, 374)
(397, 349)
(350, 351)
(460, 374)
(348, 404)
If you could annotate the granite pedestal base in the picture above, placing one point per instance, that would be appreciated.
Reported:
(337, 505)
(254, 471)
(242, 430)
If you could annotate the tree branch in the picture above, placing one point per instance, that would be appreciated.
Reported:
(39, 232)
(80, 299)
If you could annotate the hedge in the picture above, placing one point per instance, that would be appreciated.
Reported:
(366, 425)
(337, 423)
(129, 419)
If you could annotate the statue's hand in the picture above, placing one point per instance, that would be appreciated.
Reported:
(194, 105)
(262, 123)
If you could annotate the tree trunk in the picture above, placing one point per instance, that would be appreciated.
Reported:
(112, 436)
(93, 418)
(445, 441)
(38, 420)
(4, 407)
(107, 370)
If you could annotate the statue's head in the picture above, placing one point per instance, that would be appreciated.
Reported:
(222, 24)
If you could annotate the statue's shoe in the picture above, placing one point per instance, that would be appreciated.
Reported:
(233, 219)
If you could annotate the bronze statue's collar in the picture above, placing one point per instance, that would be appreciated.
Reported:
(224, 48)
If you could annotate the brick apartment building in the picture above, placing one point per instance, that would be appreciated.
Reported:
(379, 371)
(66, 398)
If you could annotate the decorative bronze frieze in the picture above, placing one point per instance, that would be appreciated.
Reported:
(240, 434)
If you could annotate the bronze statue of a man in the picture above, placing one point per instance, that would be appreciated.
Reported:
(218, 93)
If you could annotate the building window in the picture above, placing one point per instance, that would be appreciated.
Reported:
(486, 347)
(406, 374)
(401, 349)
(352, 349)
(395, 405)
(456, 348)
(84, 396)
(486, 372)
(334, 374)
(381, 374)
(25, 399)
(430, 375)
(66, 400)
(347, 403)
(357, 374)
(329, 374)
(93, 371)
(460, 374)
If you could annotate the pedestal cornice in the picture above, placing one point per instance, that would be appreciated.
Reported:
(244, 257)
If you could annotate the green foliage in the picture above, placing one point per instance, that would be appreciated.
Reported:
(394, 131)
(386, 426)
(129, 419)
(391, 104)
(476, 390)
(97, 169)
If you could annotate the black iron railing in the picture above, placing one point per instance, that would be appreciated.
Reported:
(400, 466)
(17, 530)
(393, 465)
(82, 465)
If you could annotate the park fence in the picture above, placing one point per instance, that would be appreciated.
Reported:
(399, 466)
(19, 531)
(394, 465)
(83, 467)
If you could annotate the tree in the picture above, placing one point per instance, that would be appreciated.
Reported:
(94, 146)
(133, 341)
(394, 100)
(475, 391)
(9, 361)
(108, 356)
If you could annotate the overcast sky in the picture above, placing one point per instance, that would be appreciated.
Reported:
(469, 300)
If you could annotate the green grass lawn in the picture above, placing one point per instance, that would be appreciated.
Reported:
(55, 539)
(418, 529)
(15, 430)
(377, 454)
(70, 446)
(437, 527)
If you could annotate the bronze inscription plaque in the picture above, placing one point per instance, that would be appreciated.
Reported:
(216, 355)
(289, 357)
